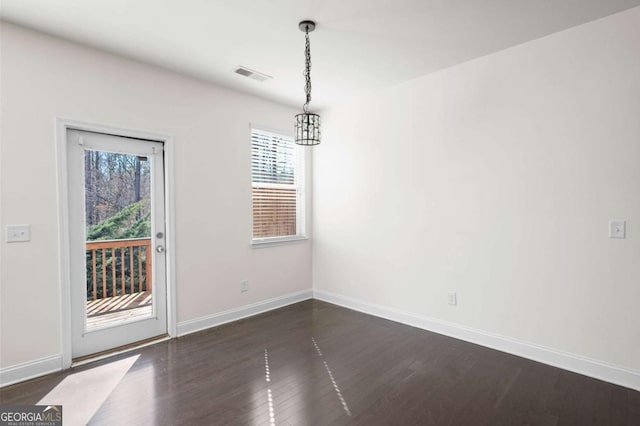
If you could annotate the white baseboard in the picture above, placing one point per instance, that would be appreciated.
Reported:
(30, 370)
(202, 323)
(576, 363)
(567, 361)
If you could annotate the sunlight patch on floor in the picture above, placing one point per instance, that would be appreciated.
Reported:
(82, 394)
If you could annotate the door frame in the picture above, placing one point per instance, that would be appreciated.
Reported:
(64, 257)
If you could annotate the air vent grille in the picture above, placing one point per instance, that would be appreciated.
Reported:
(255, 75)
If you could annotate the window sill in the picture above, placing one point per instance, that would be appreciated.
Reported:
(278, 241)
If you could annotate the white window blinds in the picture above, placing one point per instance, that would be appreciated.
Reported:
(277, 175)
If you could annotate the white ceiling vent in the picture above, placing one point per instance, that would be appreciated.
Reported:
(252, 74)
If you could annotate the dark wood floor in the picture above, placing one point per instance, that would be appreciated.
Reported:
(329, 365)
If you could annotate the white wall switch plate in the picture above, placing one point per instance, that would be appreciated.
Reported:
(18, 233)
(617, 228)
(244, 286)
(451, 297)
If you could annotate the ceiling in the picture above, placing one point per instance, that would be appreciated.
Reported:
(359, 45)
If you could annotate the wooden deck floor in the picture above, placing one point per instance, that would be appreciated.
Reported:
(118, 308)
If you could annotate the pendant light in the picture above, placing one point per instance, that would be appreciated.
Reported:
(307, 125)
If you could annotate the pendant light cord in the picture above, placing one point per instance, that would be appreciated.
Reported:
(307, 70)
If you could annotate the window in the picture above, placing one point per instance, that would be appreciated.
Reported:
(277, 181)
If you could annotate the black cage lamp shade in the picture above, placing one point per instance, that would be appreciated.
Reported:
(307, 129)
(307, 124)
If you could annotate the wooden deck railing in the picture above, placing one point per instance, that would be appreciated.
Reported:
(118, 267)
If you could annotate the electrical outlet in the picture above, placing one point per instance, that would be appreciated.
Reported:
(453, 300)
(617, 228)
(244, 286)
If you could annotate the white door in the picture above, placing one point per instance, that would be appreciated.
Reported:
(116, 241)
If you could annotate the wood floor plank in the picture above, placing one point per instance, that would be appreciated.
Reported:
(330, 365)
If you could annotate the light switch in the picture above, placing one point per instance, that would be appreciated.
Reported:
(18, 233)
(451, 297)
(617, 228)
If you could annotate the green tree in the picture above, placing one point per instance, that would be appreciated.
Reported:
(127, 223)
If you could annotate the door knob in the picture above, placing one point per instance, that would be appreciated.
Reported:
(160, 249)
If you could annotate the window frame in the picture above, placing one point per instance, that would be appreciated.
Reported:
(300, 183)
